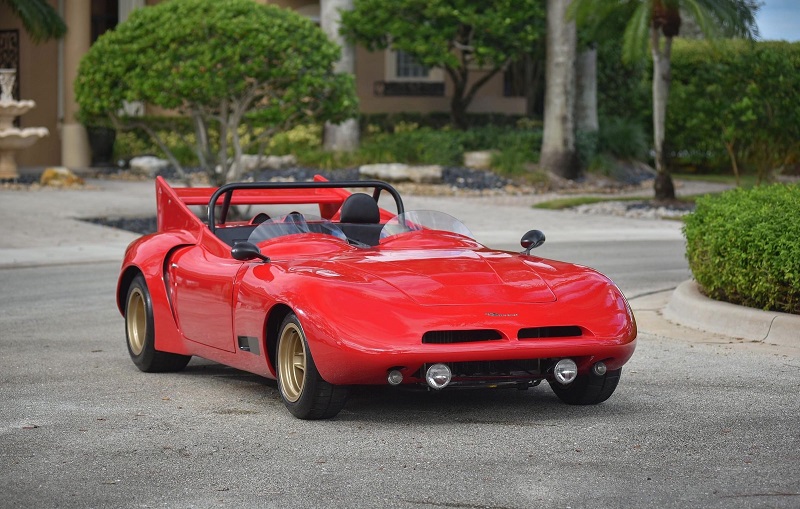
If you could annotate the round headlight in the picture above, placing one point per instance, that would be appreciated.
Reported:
(395, 377)
(600, 368)
(565, 371)
(438, 376)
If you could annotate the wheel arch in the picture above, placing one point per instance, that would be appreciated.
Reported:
(272, 326)
(125, 280)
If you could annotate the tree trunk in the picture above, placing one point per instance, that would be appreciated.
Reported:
(558, 153)
(663, 185)
(344, 136)
(458, 113)
(586, 91)
(586, 123)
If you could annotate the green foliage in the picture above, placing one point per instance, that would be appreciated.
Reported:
(40, 19)
(422, 146)
(622, 138)
(515, 147)
(743, 246)
(175, 132)
(301, 138)
(454, 35)
(240, 70)
(623, 90)
(720, 18)
(736, 103)
(400, 141)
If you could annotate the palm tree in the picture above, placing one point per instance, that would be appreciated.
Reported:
(40, 20)
(657, 22)
(558, 154)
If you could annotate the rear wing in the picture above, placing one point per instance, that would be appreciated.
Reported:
(173, 202)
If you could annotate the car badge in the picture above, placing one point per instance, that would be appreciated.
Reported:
(502, 314)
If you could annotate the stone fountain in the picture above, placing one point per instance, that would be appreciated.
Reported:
(12, 138)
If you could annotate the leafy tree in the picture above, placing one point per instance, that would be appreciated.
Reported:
(455, 35)
(40, 20)
(240, 70)
(658, 22)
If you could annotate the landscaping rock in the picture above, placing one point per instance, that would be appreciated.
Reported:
(253, 162)
(480, 159)
(59, 177)
(148, 165)
(398, 172)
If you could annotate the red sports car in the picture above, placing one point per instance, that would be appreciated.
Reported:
(321, 289)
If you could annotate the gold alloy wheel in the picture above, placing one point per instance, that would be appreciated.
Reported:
(291, 362)
(136, 321)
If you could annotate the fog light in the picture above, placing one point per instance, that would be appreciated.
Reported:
(565, 371)
(438, 376)
(395, 377)
(600, 369)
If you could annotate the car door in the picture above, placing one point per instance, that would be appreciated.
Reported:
(202, 292)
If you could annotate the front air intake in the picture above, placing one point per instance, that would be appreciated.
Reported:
(440, 337)
(561, 331)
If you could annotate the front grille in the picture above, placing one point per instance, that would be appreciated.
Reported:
(496, 369)
(440, 337)
(561, 331)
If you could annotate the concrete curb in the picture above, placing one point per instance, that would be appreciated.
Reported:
(690, 308)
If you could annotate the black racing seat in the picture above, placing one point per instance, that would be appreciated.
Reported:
(359, 219)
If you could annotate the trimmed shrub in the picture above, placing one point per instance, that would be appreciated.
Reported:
(743, 247)
(735, 104)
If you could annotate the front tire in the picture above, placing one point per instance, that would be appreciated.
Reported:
(303, 391)
(140, 332)
(588, 389)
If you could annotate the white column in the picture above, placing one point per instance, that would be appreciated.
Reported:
(74, 143)
(125, 7)
(343, 136)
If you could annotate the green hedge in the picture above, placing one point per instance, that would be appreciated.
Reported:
(734, 99)
(743, 247)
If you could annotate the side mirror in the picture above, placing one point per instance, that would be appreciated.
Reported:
(532, 240)
(246, 251)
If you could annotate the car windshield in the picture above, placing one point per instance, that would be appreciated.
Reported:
(294, 223)
(416, 220)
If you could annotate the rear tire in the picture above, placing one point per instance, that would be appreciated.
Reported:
(303, 391)
(140, 333)
(587, 389)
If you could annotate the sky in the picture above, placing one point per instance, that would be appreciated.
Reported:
(779, 19)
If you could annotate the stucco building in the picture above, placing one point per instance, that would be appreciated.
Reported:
(387, 82)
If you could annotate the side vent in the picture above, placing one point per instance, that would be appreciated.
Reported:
(460, 336)
(562, 331)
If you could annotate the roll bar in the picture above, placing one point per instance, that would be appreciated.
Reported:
(299, 198)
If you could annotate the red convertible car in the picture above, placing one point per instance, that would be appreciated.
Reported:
(320, 288)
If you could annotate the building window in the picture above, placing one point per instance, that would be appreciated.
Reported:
(401, 66)
(105, 16)
(407, 66)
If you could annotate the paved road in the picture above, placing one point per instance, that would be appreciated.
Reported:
(702, 423)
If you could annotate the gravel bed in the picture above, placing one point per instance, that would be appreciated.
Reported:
(637, 209)
(453, 176)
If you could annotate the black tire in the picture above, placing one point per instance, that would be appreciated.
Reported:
(140, 333)
(303, 391)
(588, 389)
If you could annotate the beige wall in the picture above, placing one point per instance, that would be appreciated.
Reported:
(371, 67)
(38, 75)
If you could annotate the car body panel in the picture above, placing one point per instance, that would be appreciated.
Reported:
(365, 310)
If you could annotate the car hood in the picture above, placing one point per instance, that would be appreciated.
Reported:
(456, 277)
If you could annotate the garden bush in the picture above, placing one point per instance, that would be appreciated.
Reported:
(743, 247)
(735, 104)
